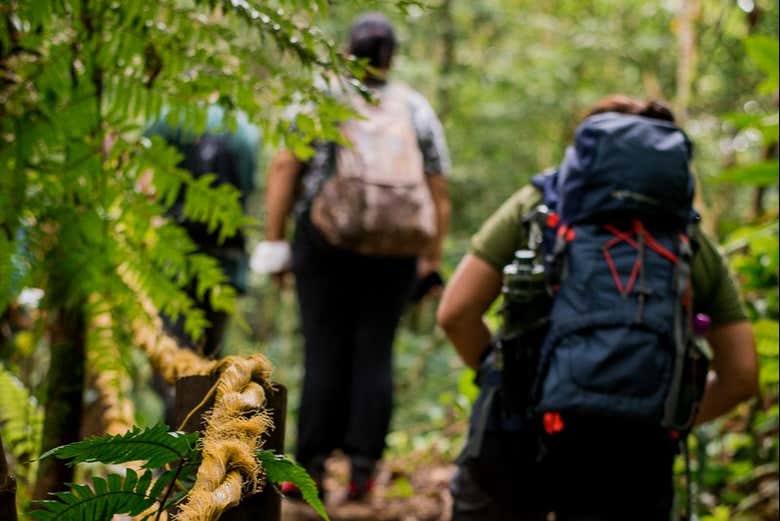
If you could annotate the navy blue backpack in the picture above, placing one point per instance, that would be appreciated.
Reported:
(617, 247)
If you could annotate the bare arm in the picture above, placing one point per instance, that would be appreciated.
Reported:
(280, 193)
(735, 370)
(473, 288)
(439, 187)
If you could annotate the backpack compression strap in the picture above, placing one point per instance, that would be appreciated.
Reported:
(682, 336)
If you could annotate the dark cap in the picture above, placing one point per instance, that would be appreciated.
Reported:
(372, 37)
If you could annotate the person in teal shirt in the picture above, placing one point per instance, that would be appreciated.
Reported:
(233, 157)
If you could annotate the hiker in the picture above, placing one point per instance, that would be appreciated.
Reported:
(369, 220)
(597, 260)
(233, 158)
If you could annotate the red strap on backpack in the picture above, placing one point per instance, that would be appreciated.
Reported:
(638, 231)
(553, 422)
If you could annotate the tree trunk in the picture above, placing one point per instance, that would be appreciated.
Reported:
(686, 66)
(64, 396)
(686, 70)
(448, 39)
(770, 150)
(7, 489)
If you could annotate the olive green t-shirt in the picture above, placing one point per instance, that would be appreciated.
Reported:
(715, 290)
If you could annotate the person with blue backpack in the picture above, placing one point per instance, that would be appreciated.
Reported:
(623, 328)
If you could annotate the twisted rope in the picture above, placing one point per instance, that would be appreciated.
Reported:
(111, 384)
(235, 426)
(233, 434)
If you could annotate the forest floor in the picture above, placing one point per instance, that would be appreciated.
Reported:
(401, 494)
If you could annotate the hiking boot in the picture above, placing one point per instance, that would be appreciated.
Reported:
(291, 491)
(360, 490)
(361, 477)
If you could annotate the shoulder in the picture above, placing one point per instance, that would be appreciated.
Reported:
(427, 127)
(708, 262)
(716, 291)
(420, 106)
(522, 201)
(503, 233)
(413, 96)
(517, 205)
(417, 102)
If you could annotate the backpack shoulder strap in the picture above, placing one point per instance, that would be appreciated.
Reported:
(547, 184)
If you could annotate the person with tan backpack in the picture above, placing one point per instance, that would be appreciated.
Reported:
(370, 220)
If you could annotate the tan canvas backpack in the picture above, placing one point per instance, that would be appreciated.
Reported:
(377, 201)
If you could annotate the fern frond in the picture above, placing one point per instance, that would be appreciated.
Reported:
(155, 446)
(110, 496)
(21, 422)
(216, 206)
(279, 467)
(150, 276)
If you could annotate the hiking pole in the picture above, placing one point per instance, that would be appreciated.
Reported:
(688, 514)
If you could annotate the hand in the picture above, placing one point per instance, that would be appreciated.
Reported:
(271, 257)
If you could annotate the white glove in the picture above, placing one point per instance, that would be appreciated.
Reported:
(271, 257)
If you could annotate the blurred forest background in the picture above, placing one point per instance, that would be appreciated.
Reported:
(509, 79)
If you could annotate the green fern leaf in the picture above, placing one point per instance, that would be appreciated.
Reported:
(113, 495)
(155, 446)
(280, 468)
(21, 423)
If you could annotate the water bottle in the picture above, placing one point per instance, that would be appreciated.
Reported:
(526, 300)
(525, 316)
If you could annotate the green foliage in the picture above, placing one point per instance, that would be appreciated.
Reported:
(21, 422)
(466, 385)
(129, 495)
(737, 457)
(763, 51)
(756, 174)
(155, 446)
(157, 449)
(279, 468)
(767, 341)
(84, 193)
(755, 258)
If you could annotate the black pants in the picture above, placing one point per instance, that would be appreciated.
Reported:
(595, 470)
(471, 503)
(350, 306)
(610, 471)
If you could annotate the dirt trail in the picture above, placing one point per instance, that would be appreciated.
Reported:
(422, 495)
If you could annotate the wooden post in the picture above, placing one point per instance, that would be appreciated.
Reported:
(7, 489)
(189, 392)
